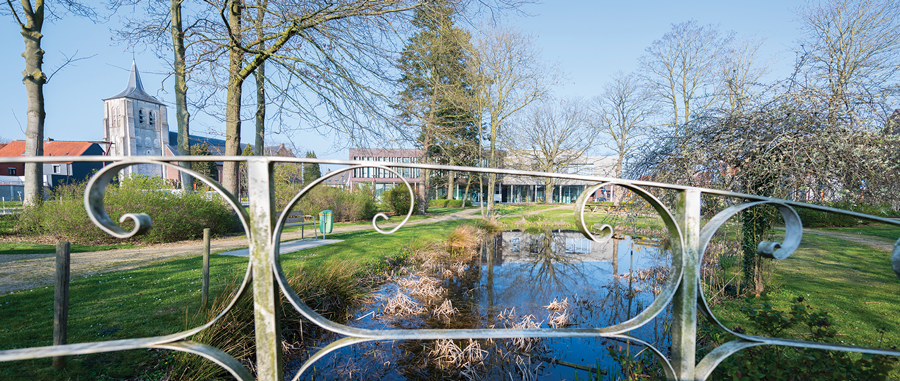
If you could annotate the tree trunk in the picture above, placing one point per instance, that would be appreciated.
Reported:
(492, 178)
(548, 193)
(233, 102)
(34, 80)
(424, 181)
(617, 193)
(182, 115)
(466, 192)
(451, 179)
(260, 74)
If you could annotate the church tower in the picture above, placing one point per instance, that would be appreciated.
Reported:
(135, 123)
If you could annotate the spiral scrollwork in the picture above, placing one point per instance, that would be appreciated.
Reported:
(284, 214)
(96, 188)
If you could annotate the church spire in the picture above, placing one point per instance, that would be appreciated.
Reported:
(135, 89)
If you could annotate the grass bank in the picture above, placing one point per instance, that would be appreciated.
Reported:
(852, 283)
(159, 299)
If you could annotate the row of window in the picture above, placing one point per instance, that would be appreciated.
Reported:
(117, 112)
(381, 173)
(54, 168)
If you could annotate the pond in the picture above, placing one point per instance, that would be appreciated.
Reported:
(516, 279)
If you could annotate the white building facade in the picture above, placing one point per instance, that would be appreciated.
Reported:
(135, 123)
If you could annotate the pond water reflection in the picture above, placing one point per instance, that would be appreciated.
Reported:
(552, 278)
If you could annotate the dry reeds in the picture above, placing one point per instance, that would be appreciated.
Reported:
(450, 354)
(509, 319)
(462, 244)
(560, 313)
(658, 274)
(329, 290)
(445, 310)
(556, 306)
(459, 268)
(423, 286)
(559, 319)
(402, 305)
(490, 226)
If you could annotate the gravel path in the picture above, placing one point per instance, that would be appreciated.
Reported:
(24, 271)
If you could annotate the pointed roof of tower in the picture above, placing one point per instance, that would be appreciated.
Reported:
(135, 89)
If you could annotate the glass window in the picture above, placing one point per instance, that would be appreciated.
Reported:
(11, 171)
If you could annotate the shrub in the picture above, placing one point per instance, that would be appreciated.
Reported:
(175, 216)
(397, 200)
(815, 218)
(454, 203)
(355, 205)
(468, 202)
(439, 203)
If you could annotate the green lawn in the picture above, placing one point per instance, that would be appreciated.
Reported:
(157, 300)
(852, 282)
(891, 232)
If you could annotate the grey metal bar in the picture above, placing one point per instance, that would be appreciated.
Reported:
(261, 193)
(684, 304)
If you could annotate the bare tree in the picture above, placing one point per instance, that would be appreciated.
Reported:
(853, 48)
(681, 69)
(508, 76)
(554, 136)
(164, 27)
(622, 112)
(31, 17)
(309, 41)
(741, 71)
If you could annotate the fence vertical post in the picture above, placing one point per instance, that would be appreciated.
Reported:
(205, 293)
(262, 256)
(684, 303)
(61, 300)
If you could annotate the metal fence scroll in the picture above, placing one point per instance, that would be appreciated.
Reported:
(265, 278)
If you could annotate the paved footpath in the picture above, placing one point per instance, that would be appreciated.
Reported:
(26, 271)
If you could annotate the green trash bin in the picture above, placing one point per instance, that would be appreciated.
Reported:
(326, 219)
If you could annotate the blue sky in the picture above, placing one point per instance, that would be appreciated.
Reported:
(588, 41)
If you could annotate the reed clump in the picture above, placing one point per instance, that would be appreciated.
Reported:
(329, 290)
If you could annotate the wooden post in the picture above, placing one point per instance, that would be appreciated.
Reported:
(61, 300)
(205, 297)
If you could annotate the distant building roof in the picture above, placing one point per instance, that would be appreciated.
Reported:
(135, 89)
(384, 152)
(216, 146)
(16, 148)
(342, 179)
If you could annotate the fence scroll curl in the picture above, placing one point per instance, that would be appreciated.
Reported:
(265, 277)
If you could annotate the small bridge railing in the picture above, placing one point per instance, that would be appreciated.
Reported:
(265, 277)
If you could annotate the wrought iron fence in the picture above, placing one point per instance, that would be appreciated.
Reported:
(265, 278)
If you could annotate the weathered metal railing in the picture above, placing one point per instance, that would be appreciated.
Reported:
(265, 278)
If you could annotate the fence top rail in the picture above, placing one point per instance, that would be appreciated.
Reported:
(485, 170)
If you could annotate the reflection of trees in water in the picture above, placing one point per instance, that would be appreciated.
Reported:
(547, 270)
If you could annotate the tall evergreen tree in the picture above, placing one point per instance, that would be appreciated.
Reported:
(435, 100)
(311, 171)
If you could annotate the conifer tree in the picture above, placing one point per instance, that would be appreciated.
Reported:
(435, 100)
